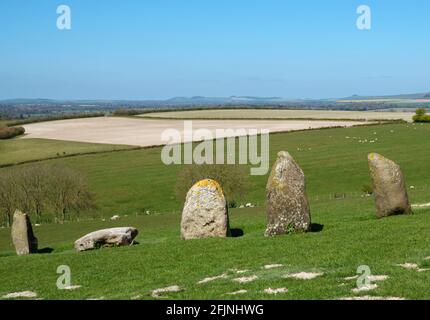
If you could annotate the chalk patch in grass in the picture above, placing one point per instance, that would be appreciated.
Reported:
(241, 271)
(96, 299)
(373, 298)
(237, 292)
(157, 293)
(427, 258)
(373, 278)
(378, 278)
(272, 266)
(205, 280)
(24, 294)
(275, 291)
(72, 287)
(138, 297)
(423, 205)
(367, 287)
(423, 270)
(245, 279)
(408, 265)
(304, 275)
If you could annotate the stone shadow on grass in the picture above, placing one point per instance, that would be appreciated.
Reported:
(236, 233)
(45, 251)
(316, 227)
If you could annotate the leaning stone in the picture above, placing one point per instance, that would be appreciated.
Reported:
(22, 234)
(205, 213)
(114, 237)
(287, 204)
(389, 187)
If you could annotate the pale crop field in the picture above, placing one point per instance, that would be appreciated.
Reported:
(282, 114)
(148, 132)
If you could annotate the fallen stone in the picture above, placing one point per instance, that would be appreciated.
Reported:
(114, 237)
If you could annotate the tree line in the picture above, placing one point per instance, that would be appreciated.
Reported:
(45, 192)
(11, 132)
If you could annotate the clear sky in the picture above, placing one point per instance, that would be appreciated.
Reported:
(149, 49)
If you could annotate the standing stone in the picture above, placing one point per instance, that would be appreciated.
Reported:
(287, 204)
(205, 213)
(114, 237)
(389, 187)
(22, 234)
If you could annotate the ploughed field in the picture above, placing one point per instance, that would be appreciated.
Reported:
(346, 232)
(148, 132)
(282, 114)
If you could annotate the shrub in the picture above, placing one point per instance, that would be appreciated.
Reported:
(421, 115)
(232, 179)
(127, 112)
(11, 132)
(367, 189)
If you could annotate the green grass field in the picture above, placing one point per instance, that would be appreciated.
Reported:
(20, 150)
(334, 161)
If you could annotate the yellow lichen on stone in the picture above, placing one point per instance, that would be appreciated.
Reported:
(375, 156)
(209, 183)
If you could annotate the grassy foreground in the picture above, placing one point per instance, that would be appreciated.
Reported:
(334, 162)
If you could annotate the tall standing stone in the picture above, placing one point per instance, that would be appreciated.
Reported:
(287, 204)
(205, 213)
(22, 234)
(389, 187)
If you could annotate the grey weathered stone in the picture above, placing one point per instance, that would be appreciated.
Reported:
(205, 213)
(389, 187)
(113, 237)
(287, 204)
(22, 234)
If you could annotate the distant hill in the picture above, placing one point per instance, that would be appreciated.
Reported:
(389, 97)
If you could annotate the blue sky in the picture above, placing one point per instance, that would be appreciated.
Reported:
(149, 49)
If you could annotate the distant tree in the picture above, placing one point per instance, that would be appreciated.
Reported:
(69, 192)
(11, 132)
(8, 197)
(232, 179)
(421, 115)
(41, 189)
